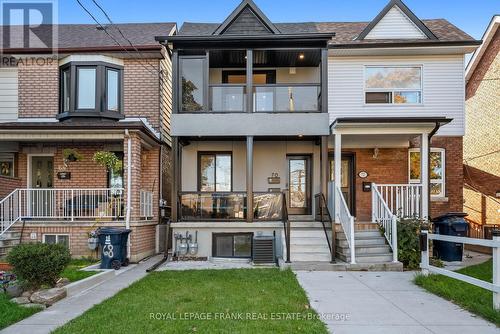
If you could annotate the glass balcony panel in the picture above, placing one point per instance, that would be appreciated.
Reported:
(267, 206)
(293, 98)
(227, 98)
(213, 206)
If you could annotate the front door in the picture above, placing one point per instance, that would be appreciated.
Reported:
(42, 180)
(299, 185)
(347, 180)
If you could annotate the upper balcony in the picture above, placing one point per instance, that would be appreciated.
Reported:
(249, 92)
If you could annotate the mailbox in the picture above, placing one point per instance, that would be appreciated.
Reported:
(367, 187)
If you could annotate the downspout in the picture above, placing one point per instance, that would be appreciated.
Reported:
(431, 134)
(129, 186)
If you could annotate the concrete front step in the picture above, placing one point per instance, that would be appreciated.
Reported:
(360, 235)
(306, 248)
(372, 249)
(307, 233)
(367, 258)
(362, 242)
(342, 266)
(310, 256)
(8, 242)
(10, 235)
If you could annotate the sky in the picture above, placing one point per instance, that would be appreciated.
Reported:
(472, 16)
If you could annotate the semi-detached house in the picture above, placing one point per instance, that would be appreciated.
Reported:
(305, 134)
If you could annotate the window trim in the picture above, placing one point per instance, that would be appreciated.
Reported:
(441, 181)
(205, 107)
(214, 153)
(214, 247)
(100, 109)
(57, 237)
(393, 90)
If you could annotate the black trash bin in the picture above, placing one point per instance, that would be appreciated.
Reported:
(113, 244)
(453, 224)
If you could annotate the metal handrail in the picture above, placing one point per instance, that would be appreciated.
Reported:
(286, 227)
(324, 211)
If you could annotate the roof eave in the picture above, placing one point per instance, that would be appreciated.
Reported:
(362, 45)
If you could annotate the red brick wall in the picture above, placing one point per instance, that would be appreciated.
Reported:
(142, 90)
(8, 184)
(38, 89)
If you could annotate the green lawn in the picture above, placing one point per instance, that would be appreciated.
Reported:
(475, 299)
(11, 313)
(73, 272)
(181, 299)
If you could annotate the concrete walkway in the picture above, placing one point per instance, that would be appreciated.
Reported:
(72, 307)
(386, 302)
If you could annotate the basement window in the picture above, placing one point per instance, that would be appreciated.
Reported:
(56, 239)
(91, 90)
(236, 245)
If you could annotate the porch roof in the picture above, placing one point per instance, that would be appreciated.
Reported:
(75, 130)
(388, 125)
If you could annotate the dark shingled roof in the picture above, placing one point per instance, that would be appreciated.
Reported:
(345, 32)
(71, 36)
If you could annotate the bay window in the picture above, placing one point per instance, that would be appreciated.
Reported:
(437, 170)
(91, 90)
(393, 85)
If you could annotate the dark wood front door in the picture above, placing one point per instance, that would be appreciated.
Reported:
(347, 185)
(299, 185)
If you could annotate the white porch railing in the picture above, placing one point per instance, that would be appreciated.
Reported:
(146, 204)
(67, 204)
(346, 221)
(404, 200)
(384, 216)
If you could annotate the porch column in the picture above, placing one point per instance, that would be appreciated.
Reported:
(249, 179)
(424, 173)
(338, 171)
(174, 170)
(324, 166)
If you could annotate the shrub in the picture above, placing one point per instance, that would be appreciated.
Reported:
(37, 264)
(408, 242)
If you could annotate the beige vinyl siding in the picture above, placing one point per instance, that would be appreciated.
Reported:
(8, 95)
(395, 24)
(442, 93)
(166, 99)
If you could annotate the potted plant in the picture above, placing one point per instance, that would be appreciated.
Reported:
(71, 155)
(93, 240)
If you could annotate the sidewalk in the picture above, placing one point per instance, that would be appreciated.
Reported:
(385, 302)
(69, 308)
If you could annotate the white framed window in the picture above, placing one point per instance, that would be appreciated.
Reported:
(7, 164)
(393, 84)
(56, 239)
(437, 169)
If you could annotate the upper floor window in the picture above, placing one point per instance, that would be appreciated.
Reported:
(192, 83)
(393, 85)
(91, 90)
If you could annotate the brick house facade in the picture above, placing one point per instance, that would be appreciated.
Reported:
(43, 130)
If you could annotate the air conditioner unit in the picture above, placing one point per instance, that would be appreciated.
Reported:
(264, 250)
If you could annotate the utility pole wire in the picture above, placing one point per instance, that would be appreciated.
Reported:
(111, 36)
(122, 34)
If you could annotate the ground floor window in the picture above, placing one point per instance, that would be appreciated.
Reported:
(215, 171)
(7, 164)
(437, 170)
(237, 245)
(56, 239)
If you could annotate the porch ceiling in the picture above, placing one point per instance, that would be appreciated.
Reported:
(387, 125)
(352, 141)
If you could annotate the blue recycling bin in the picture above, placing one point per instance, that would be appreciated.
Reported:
(113, 244)
(453, 224)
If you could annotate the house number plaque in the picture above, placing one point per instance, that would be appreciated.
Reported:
(274, 179)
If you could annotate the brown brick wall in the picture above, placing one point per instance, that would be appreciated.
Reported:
(8, 184)
(38, 89)
(142, 90)
(481, 144)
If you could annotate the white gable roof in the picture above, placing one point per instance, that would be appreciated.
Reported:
(396, 25)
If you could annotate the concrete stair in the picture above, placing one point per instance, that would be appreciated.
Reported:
(308, 243)
(7, 241)
(370, 247)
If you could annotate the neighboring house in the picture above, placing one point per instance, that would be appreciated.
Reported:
(482, 135)
(96, 95)
(266, 115)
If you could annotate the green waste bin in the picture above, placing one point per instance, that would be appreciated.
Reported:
(113, 244)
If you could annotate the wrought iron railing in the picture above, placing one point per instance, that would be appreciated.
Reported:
(322, 214)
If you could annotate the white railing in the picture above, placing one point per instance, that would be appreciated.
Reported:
(67, 204)
(404, 200)
(382, 215)
(146, 204)
(346, 221)
(9, 211)
(494, 244)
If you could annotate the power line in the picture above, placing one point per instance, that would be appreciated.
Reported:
(111, 36)
(482, 155)
(121, 33)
